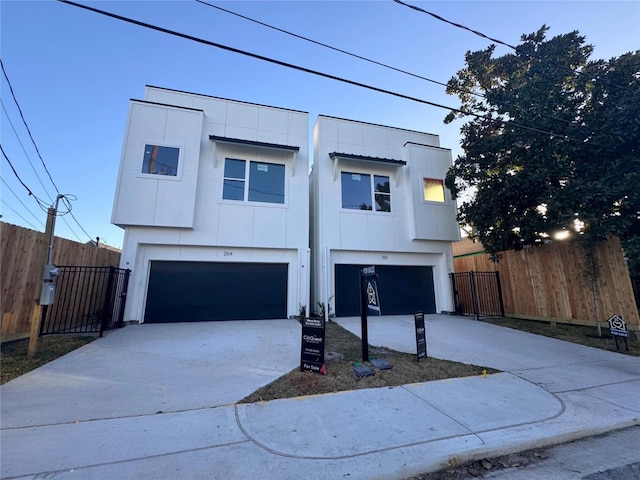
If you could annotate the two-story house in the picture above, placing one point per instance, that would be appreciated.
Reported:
(213, 197)
(223, 221)
(377, 197)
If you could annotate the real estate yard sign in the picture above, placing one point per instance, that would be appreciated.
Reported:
(312, 351)
(619, 330)
(421, 335)
(369, 303)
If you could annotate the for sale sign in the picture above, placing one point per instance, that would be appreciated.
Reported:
(421, 335)
(619, 330)
(312, 350)
(371, 290)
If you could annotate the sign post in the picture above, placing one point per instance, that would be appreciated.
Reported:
(369, 303)
(312, 350)
(619, 330)
(421, 335)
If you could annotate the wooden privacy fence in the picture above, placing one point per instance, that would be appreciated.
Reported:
(22, 258)
(548, 282)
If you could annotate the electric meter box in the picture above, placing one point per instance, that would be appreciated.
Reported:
(47, 293)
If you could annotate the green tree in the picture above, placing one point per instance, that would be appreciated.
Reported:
(553, 146)
(552, 149)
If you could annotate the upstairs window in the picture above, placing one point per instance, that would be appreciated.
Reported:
(265, 181)
(361, 191)
(433, 190)
(160, 160)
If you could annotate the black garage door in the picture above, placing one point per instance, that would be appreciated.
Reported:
(204, 291)
(402, 289)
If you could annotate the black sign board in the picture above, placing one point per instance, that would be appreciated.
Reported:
(312, 351)
(619, 330)
(369, 302)
(371, 290)
(421, 335)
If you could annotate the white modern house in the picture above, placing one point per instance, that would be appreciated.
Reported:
(213, 197)
(223, 221)
(377, 197)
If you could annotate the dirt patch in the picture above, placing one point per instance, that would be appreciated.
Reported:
(346, 349)
(15, 362)
(571, 333)
(479, 468)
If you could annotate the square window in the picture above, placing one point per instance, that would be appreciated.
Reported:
(361, 191)
(265, 180)
(433, 190)
(159, 160)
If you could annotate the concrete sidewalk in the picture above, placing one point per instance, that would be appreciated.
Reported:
(550, 392)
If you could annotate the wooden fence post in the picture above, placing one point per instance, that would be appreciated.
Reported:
(36, 316)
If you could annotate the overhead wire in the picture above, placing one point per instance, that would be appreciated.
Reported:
(360, 57)
(317, 73)
(40, 203)
(500, 42)
(26, 154)
(26, 125)
(18, 214)
(20, 201)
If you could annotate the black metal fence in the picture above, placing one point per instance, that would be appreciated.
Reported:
(635, 283)
(87, 300)
(478, 294)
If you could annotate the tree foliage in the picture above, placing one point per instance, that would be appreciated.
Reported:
(554, 145)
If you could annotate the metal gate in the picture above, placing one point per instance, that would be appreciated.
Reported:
(478, 294)
(87, 300)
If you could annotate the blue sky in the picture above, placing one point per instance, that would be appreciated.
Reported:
(74, 71)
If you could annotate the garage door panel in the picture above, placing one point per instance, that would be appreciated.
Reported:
(402, 289)
(205, 291)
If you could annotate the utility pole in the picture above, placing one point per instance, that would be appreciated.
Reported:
(50, 272)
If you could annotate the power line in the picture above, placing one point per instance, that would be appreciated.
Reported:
(18, 214)
(360, 57)
(25, 153)
(306, 39)
(39, 155)
(500, 42)
(41, 203)
(21, 202)
(27, 126)
(315, 72)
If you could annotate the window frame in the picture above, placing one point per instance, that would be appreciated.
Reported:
(445, 200)
(247, 182)
(372, 192)
(158, 176)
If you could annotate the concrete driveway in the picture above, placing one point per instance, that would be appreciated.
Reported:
(93, 414)
(150, 368)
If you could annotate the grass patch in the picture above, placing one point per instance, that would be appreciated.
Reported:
(347, 348)
(580, 334)
(15, 361)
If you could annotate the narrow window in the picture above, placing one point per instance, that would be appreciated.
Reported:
(234, 179)
(383, 193)
(433, 190)
(160, 160)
